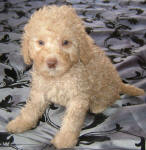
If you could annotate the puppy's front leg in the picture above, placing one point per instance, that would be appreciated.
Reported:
(72, 123)
(30, 114)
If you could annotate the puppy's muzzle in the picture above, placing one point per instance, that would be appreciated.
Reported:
(52, 63)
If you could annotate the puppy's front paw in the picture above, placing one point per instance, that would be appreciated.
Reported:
(18, 125)
(65, 140)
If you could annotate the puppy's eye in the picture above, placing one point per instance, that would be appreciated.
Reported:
(40, 42)
(65, 43)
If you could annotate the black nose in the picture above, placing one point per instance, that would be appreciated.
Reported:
(52, 62)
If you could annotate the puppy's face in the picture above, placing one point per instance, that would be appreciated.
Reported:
(55, 39)
(53, 53)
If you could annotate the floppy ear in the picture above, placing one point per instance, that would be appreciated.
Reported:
(86, 49)
(25, 49)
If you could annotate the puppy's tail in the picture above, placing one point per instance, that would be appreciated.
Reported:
(131, 90)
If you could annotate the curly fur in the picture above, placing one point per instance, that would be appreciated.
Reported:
(83, 77)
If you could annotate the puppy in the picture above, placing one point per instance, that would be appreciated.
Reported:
(68, 69)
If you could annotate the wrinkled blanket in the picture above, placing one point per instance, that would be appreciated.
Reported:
(119, 28)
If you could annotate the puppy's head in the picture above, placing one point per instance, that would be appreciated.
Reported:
(54, 40)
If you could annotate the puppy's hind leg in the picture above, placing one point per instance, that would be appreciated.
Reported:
(29, 115)
(98, 106)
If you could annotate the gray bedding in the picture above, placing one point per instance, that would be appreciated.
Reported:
(119, 28)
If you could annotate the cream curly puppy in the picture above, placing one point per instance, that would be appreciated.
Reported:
(68, 69)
